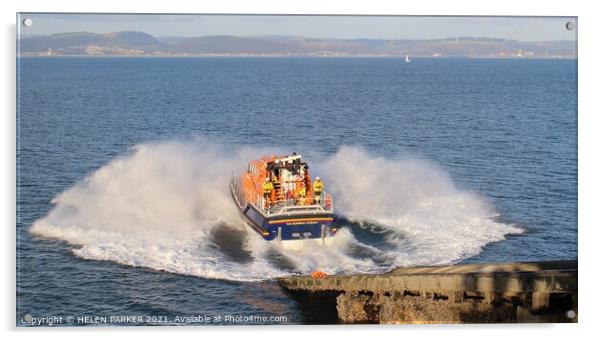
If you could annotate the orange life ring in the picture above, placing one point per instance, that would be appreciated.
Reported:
(318, 274)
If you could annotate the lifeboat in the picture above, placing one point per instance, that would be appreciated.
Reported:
(279, 200)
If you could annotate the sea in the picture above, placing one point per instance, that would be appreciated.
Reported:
(123, 211)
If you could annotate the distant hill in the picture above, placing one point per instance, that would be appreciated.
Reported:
(84, 43)
(139, 43)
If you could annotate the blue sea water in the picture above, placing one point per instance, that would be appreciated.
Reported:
(503, 130)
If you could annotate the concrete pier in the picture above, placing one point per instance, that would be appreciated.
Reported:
(472, 293)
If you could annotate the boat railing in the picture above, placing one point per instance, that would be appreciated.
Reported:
(301, 205)
(240, 196)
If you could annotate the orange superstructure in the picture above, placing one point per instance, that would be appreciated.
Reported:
(289, 176)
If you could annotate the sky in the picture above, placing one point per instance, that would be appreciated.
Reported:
(345, 27)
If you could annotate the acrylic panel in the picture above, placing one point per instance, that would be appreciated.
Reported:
(206, 170)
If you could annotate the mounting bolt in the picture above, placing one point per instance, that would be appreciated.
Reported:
(570, 25)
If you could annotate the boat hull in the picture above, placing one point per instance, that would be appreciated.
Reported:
(297, 227)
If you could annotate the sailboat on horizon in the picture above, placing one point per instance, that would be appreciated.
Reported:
(408, 60)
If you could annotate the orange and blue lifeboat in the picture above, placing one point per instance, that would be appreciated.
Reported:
(290, 207)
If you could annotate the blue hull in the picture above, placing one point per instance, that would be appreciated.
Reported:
(299, 227)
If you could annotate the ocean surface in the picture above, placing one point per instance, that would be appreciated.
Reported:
(123, 163)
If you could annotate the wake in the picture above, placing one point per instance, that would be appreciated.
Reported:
(166, 206)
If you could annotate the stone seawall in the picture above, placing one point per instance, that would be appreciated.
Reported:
(475, 293)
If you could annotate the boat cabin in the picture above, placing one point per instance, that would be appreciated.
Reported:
(291, 183)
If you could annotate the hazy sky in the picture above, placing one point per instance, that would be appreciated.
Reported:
(518, 28)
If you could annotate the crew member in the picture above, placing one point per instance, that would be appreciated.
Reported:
(318, 187)
(267, 190)
(302, 193)
(277, 169)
